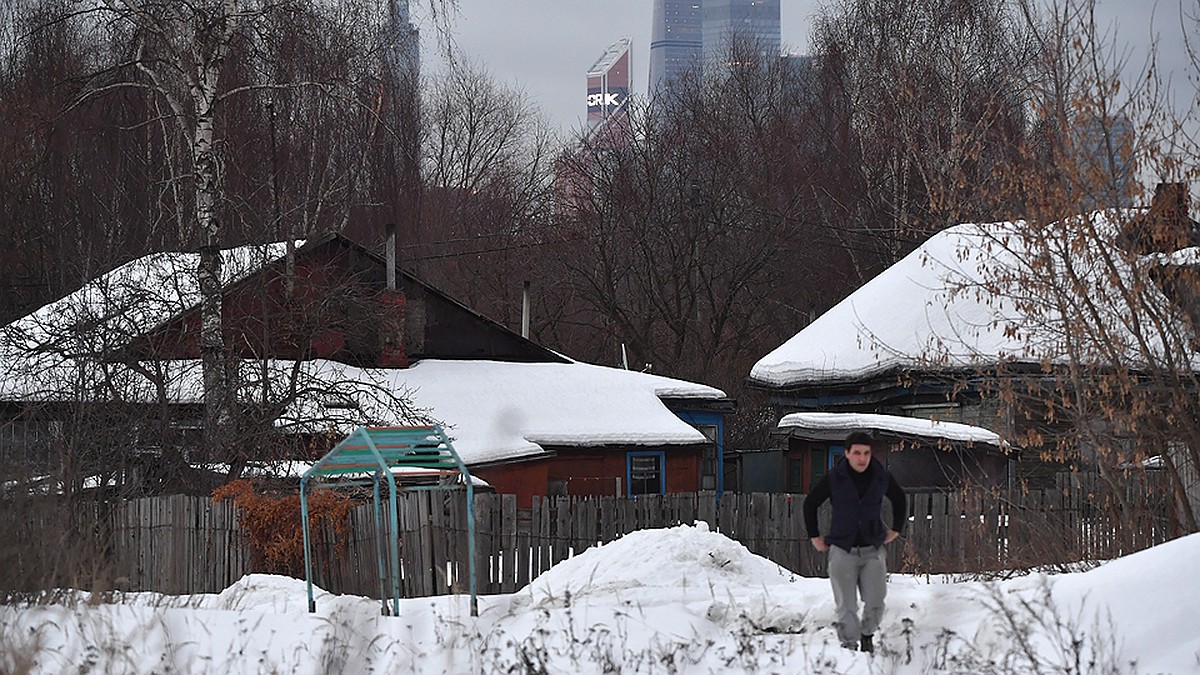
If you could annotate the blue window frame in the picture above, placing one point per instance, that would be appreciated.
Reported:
(835, 453)
(646, 472)
(704, 418)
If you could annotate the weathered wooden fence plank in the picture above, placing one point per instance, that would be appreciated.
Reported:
(190, 544)
(563, 531)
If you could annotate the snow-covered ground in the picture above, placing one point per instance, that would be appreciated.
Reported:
(677, 600)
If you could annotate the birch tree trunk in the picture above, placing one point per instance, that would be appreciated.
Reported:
(182, 50)
(213, 359)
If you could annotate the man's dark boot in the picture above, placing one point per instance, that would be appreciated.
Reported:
(866, 645)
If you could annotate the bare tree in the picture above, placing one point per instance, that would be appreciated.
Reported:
(209, 73)
(690, 226)
(146, 126)
(1106, 301)
(486, 165)
(935, 96)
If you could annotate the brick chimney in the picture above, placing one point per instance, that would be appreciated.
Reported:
(392, 310)
(1166, 226)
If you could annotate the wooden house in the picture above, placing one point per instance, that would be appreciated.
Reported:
(922, 454)
(931, 337)
(326, 334)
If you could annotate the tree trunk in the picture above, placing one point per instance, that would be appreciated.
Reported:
(208, 272)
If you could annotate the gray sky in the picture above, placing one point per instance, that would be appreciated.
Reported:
(545, 47)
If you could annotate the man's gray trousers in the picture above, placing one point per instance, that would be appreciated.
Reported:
(861, 570)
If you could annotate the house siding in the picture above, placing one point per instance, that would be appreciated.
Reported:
(588, 472)
(339, 309)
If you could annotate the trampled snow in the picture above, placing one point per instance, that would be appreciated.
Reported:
(676, 600)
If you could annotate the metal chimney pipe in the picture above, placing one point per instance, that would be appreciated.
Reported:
(525, 310)
(390, 252)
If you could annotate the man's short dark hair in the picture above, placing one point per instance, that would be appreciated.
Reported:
(860, 438)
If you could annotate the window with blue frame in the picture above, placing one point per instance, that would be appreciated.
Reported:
(712, 461)
(821, 461)
(708, 457)
(835, 453)
(645, 473)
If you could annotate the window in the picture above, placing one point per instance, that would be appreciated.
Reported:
(645, 473)
(711, 462)
(835, 453)
(708, 457)
(819, 463)
(795, 476)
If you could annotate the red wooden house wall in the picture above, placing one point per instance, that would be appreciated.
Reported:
(597, 472)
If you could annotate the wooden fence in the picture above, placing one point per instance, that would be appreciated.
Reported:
(187, 544)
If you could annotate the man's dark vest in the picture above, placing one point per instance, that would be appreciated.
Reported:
(857, 519)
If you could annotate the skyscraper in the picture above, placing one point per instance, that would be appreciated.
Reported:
(608, 127)
(401, 151)
(402, 43)
(686, 31)
(675, 40)
(750, 22)
(608, 83)
(1105, 158)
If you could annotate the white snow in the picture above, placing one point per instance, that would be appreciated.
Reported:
(952, 304)
(64, 346)
(495, 410)
(1187, 257)
(910, 426)
(132, 299)
(676, 600)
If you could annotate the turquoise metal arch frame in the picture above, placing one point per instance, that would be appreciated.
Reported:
(377, 451)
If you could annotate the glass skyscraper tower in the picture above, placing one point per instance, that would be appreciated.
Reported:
(755, 22)
(686, 31)
(675, 40)
(403, 43)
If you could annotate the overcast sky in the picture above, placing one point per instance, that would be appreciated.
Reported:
(545, 47)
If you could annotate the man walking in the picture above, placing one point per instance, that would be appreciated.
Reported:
(857, 539)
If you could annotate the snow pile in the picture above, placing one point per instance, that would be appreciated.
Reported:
(1149, 600)
(679, 558)
(680, 599)
(268, 593)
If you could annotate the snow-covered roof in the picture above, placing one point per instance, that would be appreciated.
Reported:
(496, 411)
(65, 345)
(128, 301)
(939, 308)
(1184, 257)
(144, 292)
(905, 426)
(492, 410)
